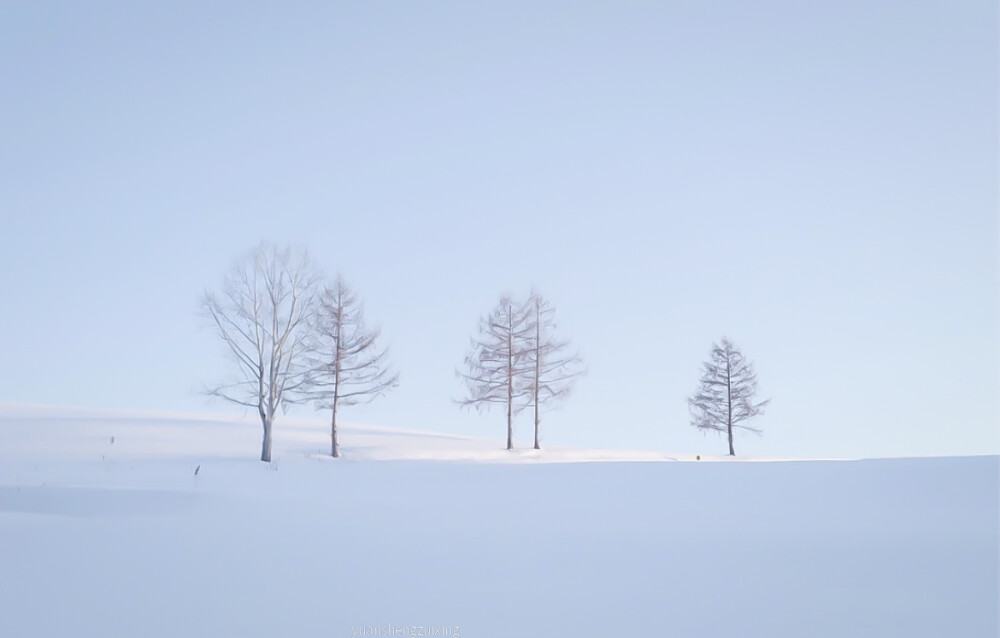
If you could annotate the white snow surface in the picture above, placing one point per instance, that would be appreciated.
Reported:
(413, 532)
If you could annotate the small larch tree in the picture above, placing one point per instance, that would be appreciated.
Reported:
(726, 395)
(347, 366)
(262, 316)
(497, 367)
(552, 370)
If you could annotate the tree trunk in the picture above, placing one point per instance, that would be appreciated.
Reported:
(729, 404)
(334, 447)
(510, 380)
(538, 364)
(536, 428)
(510, 426)
(265, 449)
(338, 357)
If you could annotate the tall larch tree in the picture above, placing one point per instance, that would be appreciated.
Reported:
(348, 366)
(552, 370)
(726, 395)
(497, 366)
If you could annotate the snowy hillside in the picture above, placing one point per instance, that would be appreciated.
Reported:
(106, 529)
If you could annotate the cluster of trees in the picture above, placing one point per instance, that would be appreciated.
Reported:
(298, 338)
(294, 338)
(517, 361)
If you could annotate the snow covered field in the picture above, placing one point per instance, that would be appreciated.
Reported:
(422, 531)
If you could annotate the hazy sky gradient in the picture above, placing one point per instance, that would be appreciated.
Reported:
(818, 181)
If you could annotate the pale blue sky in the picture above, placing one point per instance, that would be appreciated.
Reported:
(816, 180)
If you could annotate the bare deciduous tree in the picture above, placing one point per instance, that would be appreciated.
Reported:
(347, 367)
(725, 396)
(497, 367)
(262, 317)
(552, 372)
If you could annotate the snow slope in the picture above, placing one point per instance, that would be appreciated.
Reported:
(122, 538)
